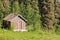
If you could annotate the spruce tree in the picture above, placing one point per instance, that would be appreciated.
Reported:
(6, 7)
(57, 15)
(15, 7)
(47, 13)
(1, 9)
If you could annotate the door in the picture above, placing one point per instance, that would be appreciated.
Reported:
(20, 25)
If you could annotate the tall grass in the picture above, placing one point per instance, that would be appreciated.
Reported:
(35, 35)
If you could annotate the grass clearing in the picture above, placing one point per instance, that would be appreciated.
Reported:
(37, 35)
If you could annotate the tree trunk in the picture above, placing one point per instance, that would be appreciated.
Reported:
(47, 13)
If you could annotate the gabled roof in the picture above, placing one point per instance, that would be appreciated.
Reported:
(12, 15)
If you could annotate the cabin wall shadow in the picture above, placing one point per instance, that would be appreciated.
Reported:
(6, 24)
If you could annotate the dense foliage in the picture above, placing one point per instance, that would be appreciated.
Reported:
(27, 8)
(30, 9)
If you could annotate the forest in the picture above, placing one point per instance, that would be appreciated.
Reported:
(43, 19)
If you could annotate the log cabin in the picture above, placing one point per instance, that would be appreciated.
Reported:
(14, 21)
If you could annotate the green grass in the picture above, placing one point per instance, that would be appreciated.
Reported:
(37, 35)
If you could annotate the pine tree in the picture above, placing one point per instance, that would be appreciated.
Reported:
(47, 13)
(1, 8)
(6, 7)
(57, 15)
(33, 13)
(15, 7)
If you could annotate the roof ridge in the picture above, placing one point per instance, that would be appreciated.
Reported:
(12, 15)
